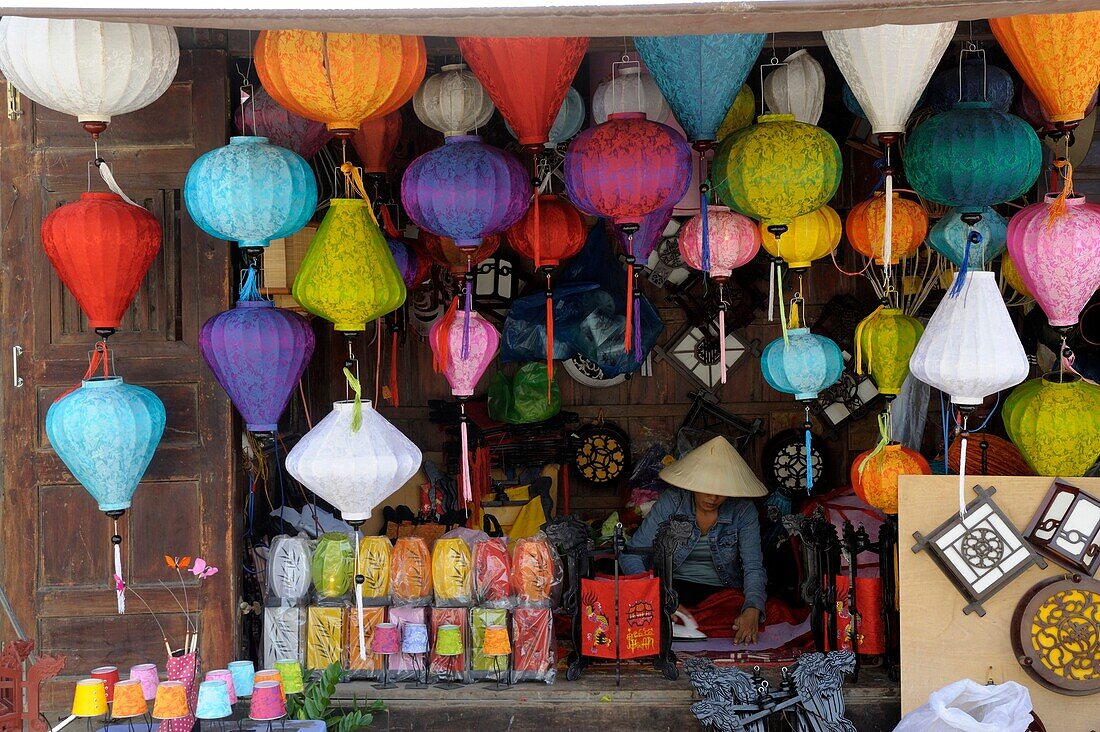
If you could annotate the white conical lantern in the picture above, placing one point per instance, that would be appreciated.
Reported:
(87, 68)
(354, 470)
(797, 88)
(629, 90)
(888, 66)
(970, 348)
(453, 101)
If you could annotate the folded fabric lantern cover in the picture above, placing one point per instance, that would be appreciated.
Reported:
(949, 238)
(1058, 56)
(777, 170)
(452, 572)
(976, 82)
(970, 348)
(492, 571)
(262, 115)
(348, 275)
(354, 468)
(972, 156)
(629, 89)
(332, 565)
(888, 66)
(797, 87)
(374, 566)
(288, 571)
(532, 571)
(258, 353)
(1055, 421)
(700, 75)
(413, 266)
(340, 79)
(867, 222)
(808, 237)
(101, 248)
(1058, 256)
(250, 192)
(804, 366)
(443, 251)
(885, 341)
(453, 101)
(86, 68)
(465, 190)
(557, 233)
(374, 141)
(875, 474)
(740, 114)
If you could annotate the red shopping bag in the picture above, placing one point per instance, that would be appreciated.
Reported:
(638, 623)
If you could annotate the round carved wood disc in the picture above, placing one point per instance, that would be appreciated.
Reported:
(1056, 635)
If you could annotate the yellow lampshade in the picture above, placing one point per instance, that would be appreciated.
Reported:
(90, 698)
(808, 237)
(885, 340)
(374, 565)
(867, 221)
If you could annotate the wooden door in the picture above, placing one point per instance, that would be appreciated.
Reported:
(56, 544)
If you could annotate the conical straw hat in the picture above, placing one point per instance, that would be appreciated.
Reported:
(715, 468)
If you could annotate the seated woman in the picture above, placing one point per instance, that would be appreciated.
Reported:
(711, 487)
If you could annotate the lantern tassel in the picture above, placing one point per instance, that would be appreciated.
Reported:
(357, 409)
(120, 585)
(884, 439)
(395, 398)
(809, 455)
(771, 292)
(888, 224)
(464, 437)
(549, 338)
(387, 223)
(637, 351)
(109, 178)
(962, 476)
(628, 336)
(538, 228)
(782, 307)
(972, 238)
(250, 288)
(359, 600)
(722, 340)
(859, 341)
(1058, 205)
(468, 307)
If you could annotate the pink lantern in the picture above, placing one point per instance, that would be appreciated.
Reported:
(734, 240)
(463, 367)
(1057, 255)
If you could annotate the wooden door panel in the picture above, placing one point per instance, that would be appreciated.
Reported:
(77, 542)
(164, 520)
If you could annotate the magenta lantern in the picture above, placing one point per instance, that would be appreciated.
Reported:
(262, 115)
(1058, 257)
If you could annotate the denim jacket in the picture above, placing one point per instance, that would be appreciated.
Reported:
(734, 542)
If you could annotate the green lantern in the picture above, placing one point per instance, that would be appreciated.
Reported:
(885, 340)
(1055, 421)
(332, 564)
(972, 156)
(777, 170)
(348, 275)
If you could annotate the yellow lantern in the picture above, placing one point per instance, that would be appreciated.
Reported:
(740, 113)
(885, 340)
(867, 222)
(1055, 421)
(341, 79)
(374, 566)
(1011, 275)
(452, 572)
(808, 237)
(348, 275)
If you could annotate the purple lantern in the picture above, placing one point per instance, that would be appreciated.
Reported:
(413, 267)
(258, 353)
(649, 234)
(262, 115)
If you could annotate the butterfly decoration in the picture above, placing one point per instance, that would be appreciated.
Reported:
(202, 570)
(177, 563)
(120, 584)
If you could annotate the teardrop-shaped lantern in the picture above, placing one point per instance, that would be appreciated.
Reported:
(885, 341)
(87, 68)
(348, 275)
(808, 237)
(629, 89)
(950, 238)
(875, 474)
(866, 225)
(261, 115)
(1031, 111)
(1055, 421)
(101, 248)
(740, 114)
(453, 101)
(340, 79)
(250, 192)
(375, 141)
(805, 364)
(797, 87)
(972, 81)
(642, 242)
(527, 79)
(1058, 257)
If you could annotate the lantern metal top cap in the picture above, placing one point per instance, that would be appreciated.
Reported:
(453, 139)
(453, 67)
(248, 140)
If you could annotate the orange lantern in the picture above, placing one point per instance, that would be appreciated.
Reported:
(340, 79)
(866, 227)
(1058, 56)
(375, 141)
(875, 474)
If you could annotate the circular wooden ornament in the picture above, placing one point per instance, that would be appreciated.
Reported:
(1056, 634)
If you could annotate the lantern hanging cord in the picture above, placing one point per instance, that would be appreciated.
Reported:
(883, 441)
(357, 409)
(109, 178)
(809, 452)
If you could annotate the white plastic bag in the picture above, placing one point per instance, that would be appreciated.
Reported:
(971, 707)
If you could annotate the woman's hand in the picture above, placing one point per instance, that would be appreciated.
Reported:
(746, 628)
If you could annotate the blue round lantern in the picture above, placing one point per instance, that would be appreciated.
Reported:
(803, 365)
(971, 157)
(567, 123)
(979, 82)
(951, 235)
(250, 191)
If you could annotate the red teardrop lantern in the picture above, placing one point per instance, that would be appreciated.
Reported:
(526, 78)
(101, 247)
(375, 141)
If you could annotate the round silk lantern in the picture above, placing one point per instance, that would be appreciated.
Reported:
(808, 237)
(261, 115)
(374, 142)
(1055, 421)
(332, 564)
(106, 432)
(875, 474)
(866, 228)
(411, 571)
(740, 114)
(885, 341)
(86, 68)
(527, 78)
(250, 192)
(629, 90)
(804, 364)
(1058, 256)
(797, 87)
(348, 275)
(532, 571)
(340, 79)
(443, 251)
(1058, 56)
(413, 266)
(258, 353)
(1012, 277)
(972, 81)
(453, 101)
(452, 573)
(101, 248)
(950, 237)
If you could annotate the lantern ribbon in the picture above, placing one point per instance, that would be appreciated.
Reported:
(467, 308)
(395, 399)
(704, 210)
(538, 227)
(357, 409)
(100, 356)
(387, 223)
(109, 178)
(771, 291)
(888, 224)
(973, 238)
(883, 441)
(549, 336)
(359, 599)
(1058, 205)
(464, 437)
(443, 340)
(354, 181)
(859, 341)
(629, 334)
(782, 307)
(120, 584)
(809, 453)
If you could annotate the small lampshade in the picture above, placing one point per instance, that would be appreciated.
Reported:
(268, 674)
(448, 641)
(414, 638)
(171, 701)
(109, 674)
(213, 701)
(291, 673)
(146, 674)
(224, 674)
(496, 641)
(129, 700)
(90, 698)
(267, 702)
(386, 639)
(243, 673)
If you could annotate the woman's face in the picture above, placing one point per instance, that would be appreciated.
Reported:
(708, 501)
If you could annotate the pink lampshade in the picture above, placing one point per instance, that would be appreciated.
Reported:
(386, 639)
(267, 702)
(148, 676)
(446, 339)
(223, 674)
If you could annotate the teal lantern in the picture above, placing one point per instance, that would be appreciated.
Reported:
(803, 364)
(951, 237)
(971, 157)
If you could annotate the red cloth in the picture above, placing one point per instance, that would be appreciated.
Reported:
(716, 614)
(638, 623)
(872, 632)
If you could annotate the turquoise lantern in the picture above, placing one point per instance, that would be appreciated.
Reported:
(952, 238)
(250, 192)
(106, 431)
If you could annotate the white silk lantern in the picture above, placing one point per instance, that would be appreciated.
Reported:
(453, 101)
(888, 66)
(629, 90)
(87, 68)
(797, 88)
